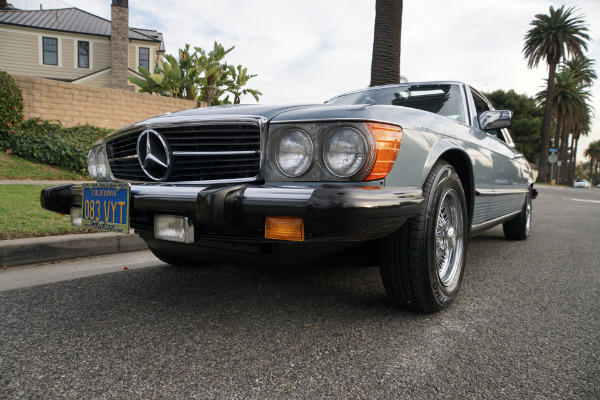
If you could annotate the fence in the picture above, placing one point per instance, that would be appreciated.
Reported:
(73, 104)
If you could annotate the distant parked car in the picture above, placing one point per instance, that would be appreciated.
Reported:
(582, 183)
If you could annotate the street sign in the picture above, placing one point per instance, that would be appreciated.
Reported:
(559, 163)
(553, 150)
(552, 158)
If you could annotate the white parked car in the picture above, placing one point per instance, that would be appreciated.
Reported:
(582, 183)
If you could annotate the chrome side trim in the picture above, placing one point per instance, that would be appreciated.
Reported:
(476, 229)
(213, 153)
(493, 192)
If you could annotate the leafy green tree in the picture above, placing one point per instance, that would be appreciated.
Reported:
(197, 75)
(527, 120)
(239, 77)
(552, 37)
(214, 71)
(385, 62)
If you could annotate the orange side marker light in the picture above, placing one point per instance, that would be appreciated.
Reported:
(284, 228)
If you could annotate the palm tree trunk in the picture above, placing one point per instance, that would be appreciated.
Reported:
(543, 161)
(573, 158)
(385, 63)
(562, 152)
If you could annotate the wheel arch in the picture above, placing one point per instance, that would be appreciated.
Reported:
(456, 156)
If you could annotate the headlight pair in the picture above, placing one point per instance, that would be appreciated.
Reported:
(97, 164)
(345, 151)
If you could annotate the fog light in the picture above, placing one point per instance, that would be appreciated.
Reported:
(284, 228)
(76, 216)
(173, 228)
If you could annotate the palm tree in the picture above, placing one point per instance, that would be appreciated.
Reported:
(583, 69)
(385, 63)
(552, 37)
(593, 152)
(580, 128)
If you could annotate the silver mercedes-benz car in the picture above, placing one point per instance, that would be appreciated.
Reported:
(396, 176)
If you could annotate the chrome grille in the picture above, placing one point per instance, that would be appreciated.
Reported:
(198, 153)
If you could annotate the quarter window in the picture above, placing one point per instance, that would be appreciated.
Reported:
(50, 50)
(83, 54)
(145, 57)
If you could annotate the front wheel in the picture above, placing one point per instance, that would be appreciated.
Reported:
(422, 263)
(519, 227)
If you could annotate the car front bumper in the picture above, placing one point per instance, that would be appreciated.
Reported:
(330, 212)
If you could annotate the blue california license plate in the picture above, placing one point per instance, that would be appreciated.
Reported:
(105, 206)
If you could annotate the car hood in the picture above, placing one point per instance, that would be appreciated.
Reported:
(398, 115)
(268, 112)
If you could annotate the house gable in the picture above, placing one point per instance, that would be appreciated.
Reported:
(68, 33)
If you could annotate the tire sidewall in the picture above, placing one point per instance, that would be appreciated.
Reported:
(445, 180)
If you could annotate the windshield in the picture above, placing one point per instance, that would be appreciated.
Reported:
(441, 99)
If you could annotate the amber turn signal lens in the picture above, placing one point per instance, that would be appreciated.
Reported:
(388, 139)
(284, 228)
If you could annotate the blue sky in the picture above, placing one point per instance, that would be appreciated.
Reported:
(308, 51)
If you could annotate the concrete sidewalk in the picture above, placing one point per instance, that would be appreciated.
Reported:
(53, 248)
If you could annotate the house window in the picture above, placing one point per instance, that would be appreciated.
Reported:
(50, 49)
(145, 57)
(83, 54)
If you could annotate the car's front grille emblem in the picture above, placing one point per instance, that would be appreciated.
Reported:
(153, 155)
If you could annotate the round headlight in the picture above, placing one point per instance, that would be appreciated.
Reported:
(91, 161)
(294, 153)
(101, 168)
(345, 152)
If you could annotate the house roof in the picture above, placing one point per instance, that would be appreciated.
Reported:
(73, 20)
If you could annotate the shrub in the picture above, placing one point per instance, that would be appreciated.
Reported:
(11, 105)
(51, 143)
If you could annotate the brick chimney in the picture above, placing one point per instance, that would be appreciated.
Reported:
(119, 45)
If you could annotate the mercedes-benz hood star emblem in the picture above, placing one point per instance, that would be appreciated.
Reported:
(153, 155)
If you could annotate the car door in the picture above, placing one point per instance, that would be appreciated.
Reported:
(508, 184)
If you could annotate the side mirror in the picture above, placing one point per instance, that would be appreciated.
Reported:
(495, 119)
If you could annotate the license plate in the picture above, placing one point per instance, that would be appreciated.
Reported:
(105, 206)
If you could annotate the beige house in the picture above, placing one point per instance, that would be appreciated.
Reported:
(75, 46)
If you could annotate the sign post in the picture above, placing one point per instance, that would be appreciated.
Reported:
(552, 159)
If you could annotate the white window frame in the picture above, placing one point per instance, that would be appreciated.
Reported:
(76, 54)
(151, 57)
(41, 51)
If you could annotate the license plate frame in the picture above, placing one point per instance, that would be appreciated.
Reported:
(105, 206)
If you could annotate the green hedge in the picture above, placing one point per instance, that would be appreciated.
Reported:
(11, 104)
(51, 143)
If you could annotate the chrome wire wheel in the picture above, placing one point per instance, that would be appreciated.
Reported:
(528, 216)
(449, 233)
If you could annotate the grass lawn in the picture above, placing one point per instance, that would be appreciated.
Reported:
(22, 216)
(14, 167)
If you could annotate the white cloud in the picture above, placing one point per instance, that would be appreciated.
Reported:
(309, 51)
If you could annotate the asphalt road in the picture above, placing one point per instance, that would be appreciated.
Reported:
(525, 326)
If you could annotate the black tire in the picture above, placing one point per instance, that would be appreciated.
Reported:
(519, 227)
(422, 263)
(173, 260)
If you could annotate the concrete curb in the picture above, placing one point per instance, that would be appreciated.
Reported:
(52, 248)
